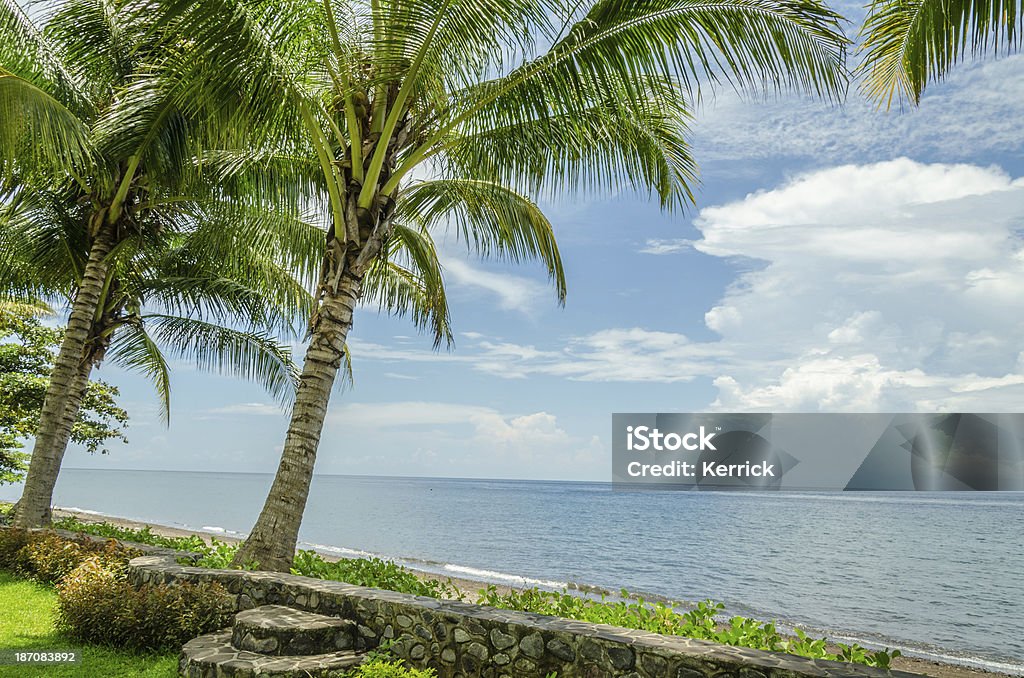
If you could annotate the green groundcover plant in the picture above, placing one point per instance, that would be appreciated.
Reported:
(703, 621)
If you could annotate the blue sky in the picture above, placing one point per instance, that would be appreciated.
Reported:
(839, 259)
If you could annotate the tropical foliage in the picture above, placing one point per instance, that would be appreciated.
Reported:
(102, 206)
(27, 349)
(907, 43)
(397, 119)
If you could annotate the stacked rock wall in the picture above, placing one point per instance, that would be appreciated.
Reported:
(460, 639)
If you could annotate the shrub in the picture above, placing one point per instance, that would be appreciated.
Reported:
(140, 536)
(48, 557)
(218, 555)
(96, 604)
(12, 541)
(372, 572)
(381, 667)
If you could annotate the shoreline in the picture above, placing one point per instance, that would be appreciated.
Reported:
(470, 588)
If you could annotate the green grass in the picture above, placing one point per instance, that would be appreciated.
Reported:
(27, 624)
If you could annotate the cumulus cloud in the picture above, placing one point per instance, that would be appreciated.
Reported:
(463, 438)
(887, 285)
(896, 285)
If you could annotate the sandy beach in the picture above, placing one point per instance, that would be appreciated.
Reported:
(470, 588)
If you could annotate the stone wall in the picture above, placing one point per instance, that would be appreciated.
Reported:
(459, 639)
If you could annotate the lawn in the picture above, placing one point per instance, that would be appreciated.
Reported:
(26, 623)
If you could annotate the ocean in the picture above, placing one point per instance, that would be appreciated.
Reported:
(938, 575)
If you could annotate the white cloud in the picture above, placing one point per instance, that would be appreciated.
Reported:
(250, 409)
(667, 246)
(977, 109)
(896, 285)
(514, 293)
(891, 285)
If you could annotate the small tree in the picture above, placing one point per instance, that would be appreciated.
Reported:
(27, 352)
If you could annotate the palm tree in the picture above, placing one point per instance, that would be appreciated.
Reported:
(102, 206)
(459, 114)
(907, 43)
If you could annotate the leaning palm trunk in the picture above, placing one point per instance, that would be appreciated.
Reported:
(66, 389)
(271, 544)
(459, 92)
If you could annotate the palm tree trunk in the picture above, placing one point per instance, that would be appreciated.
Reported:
(271, 543)
(68, 382)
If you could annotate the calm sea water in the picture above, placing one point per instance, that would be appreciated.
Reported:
(940, 575)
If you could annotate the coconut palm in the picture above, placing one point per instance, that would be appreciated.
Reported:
(907, 43)
(460, 114)
(103, 206)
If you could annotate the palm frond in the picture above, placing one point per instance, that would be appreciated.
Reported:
(407, 280)
(28, 51)
(252, 355)
(24, 306)
(491, 218)
(42, 244)
(614, 141)
(37, 132)
(133, 349)
(907, 43)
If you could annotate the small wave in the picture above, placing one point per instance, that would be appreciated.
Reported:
(492, 576)
(909, 497)
(341, 551)
(936, 654)
(82, 510)
(210, 529)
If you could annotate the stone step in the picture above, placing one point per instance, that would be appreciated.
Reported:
(283, 631)
(213, 656)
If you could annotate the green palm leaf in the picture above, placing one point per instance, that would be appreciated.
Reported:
(252, 355)
(37, 132)
(407, 280)
(491, 218)
(134, 350)
(907, 43)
